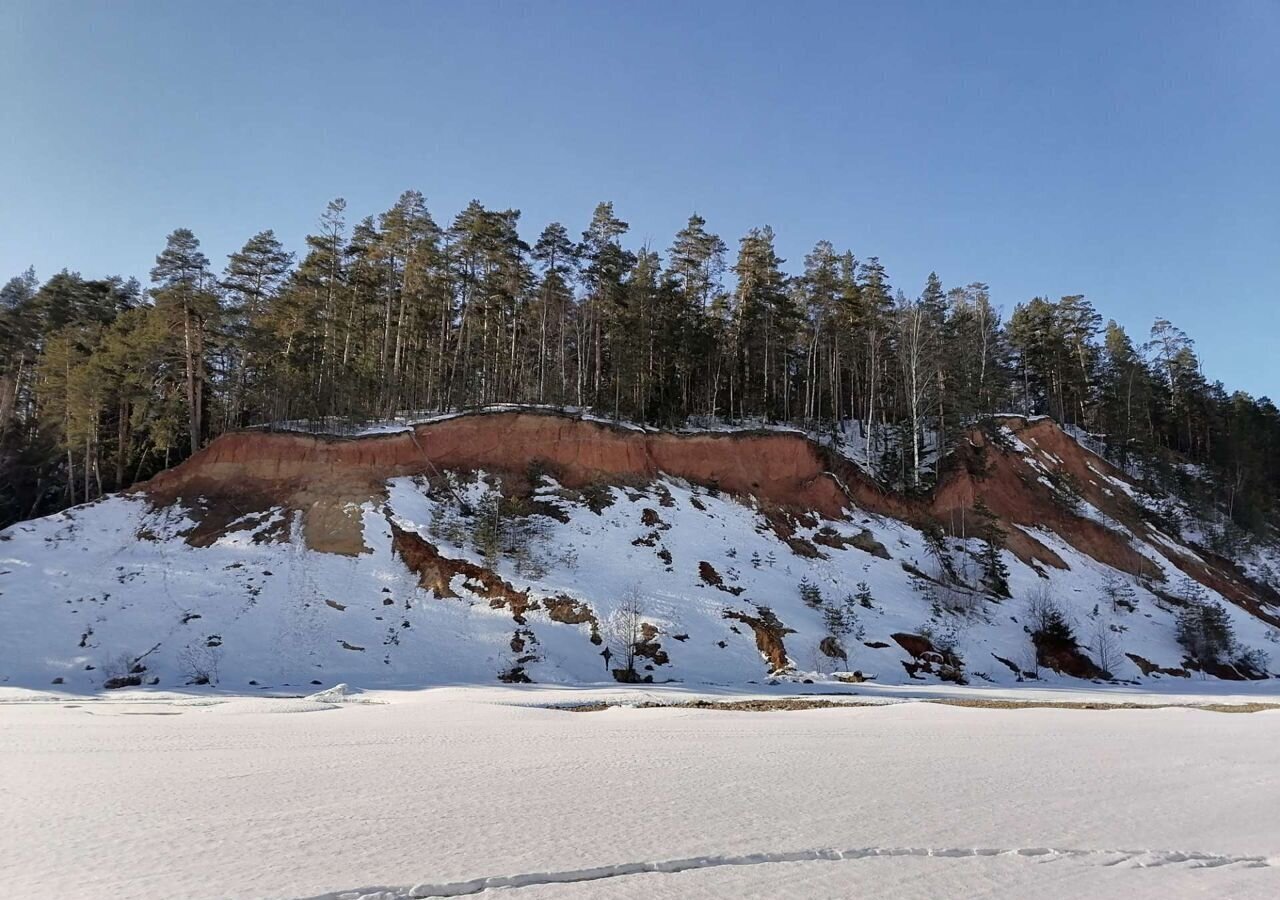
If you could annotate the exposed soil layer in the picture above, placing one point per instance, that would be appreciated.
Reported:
(648, 647)
(255, 470)
(569, 611)
(864, 541)
(710, 576)
(769, 634)
(326, 479)
(1019, 489)
(804, 703)
(830, 647)
(762, 705)
(929, 659)
(437, 574)
(1067, 660)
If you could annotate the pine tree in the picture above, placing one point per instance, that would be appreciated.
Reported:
(697, 263)
(1204, 629)
(763, 330)
(606, 264)
(995, 574)
(252, 280)
(810, 593)
(919, 326)
(393, 314)
(182, 291)
(557, 256)
(874, 306)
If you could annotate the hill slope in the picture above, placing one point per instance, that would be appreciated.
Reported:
(513, 545)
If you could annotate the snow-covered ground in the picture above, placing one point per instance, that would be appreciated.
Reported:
(87, 588)
(80, 591)
(450, 791)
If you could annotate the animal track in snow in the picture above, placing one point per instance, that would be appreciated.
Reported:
(1141, 859)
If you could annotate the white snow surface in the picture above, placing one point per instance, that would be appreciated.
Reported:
(113, 580)
(466, 791)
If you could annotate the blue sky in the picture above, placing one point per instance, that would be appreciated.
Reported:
(1127, 151)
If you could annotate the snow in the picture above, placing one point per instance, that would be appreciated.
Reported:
(453, 791)
(406, 421)
(81, 591)
(352, 742)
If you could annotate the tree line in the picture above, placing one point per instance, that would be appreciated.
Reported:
(104, 382)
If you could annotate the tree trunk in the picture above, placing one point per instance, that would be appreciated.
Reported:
(189, 354)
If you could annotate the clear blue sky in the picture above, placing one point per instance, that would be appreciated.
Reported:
(1129, 151)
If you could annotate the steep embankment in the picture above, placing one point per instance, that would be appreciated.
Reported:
(521, 545)
(322, 475)
(1032, 476)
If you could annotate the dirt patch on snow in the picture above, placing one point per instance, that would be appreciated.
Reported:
(710, 576)
(758, 705)
(1068, 661)
(568, 611)
(1148, 667)
(830, 647)
(928, 659)
(436, 573)
(769, 633)
(784, 704)
(977, 703)
(784, 523)
(648, 647)
(864, 541)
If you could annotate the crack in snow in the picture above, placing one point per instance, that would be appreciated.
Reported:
(1134, 858)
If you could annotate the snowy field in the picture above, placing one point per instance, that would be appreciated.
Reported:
(455, 791)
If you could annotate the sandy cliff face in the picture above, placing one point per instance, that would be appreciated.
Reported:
(777, 467)
(247, 472)
(1024, 486)
(1019, 476)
